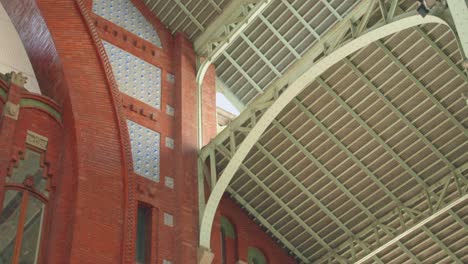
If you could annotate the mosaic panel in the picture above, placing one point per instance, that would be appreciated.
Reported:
(145, 150)
(135, 77)
(126, 15)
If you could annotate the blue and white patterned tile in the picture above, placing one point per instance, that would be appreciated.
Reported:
(126, 15)
(135, 77)
(145, 145)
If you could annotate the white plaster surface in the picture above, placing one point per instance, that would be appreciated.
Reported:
(13, 56)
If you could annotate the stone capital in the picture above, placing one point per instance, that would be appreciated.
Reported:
(205, 256)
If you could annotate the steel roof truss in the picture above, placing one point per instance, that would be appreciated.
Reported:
(279, 201)
(411, 221)
(341, 187)
(310, 195)
(422, 87)
(415, 227)
(189, 14)
(267, 225)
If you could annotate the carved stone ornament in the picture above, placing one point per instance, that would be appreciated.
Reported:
(18, 79)
(11, 110)
(36, 140)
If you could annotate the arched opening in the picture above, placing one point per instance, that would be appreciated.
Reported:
(228, 241)
(255, 256)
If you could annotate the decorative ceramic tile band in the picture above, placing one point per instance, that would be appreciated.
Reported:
(126, 15)
(135, 77)
(145, 150)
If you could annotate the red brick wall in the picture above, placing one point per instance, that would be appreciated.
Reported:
(94, 167)
(93, 210)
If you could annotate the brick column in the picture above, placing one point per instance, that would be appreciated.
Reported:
(186, 222)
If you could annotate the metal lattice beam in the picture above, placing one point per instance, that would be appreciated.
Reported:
(267, 225)
(389, 150)
(189, 14)
(414, 228)
(421, 86)
(280, 100)
(282, 204)
(341, 186)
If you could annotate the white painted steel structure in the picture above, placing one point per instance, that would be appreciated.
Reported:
(352, 145)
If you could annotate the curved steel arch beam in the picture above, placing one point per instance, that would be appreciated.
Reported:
(295, 87)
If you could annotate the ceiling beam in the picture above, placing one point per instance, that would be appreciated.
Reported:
(310, 195)
(266, 224)
(394, 215)
(279, 36)
(352, 156)
(301, 19)
(283, 205)
(388, 150)
(222, 32)
(243, 73)
(441, 53)
(414, 228)
(281, 95)
(189, 14)
(260, 54)
(396, 111)
(343, 148)
(215, 6)
(335, 180)
(422, 88)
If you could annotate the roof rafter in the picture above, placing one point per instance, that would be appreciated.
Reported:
(282, 204)
(281, 96)
(389, 150)
(220, 34)
(265, 223)
(441, 53)
(341, 186)
(260, 54)
(278, 35)
(421, 86)
(396, 111)
(243, 73)
(189, 14)
(415, 227)
(409, 212)
(310, 195)
(301, 19)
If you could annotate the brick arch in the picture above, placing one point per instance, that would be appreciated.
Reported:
(72, 69)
